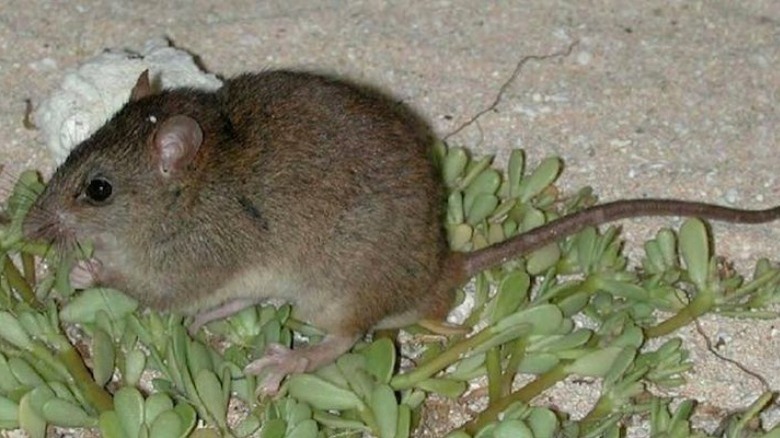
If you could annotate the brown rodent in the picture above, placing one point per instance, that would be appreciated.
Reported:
(280, 185)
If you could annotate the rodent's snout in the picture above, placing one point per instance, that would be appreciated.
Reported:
(40, 224)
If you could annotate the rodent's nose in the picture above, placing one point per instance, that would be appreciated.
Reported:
(42, 223)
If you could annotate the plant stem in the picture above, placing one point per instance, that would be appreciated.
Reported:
(438, 363)
(516, 356)
(97, 396)
(17, 281)
(754, 410)
(754, 285)
(493, 366)
(602, 408)
(28, 267)
(700, 305)
(524, 394)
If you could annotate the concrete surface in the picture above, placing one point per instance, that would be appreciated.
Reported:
(657, 98)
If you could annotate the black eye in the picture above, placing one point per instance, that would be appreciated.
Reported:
(98, 190)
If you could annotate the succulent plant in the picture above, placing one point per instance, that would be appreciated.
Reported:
(95, 360)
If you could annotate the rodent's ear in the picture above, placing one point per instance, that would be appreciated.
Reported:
(176, 142)
(142, 87)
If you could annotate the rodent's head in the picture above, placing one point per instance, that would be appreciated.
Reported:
(108, 183)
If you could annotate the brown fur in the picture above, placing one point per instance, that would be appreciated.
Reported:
(292, 195)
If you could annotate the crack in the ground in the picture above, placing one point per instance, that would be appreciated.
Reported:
(516, 72)
(716, 353)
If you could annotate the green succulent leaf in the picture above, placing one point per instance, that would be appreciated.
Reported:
(155, 405)
(385, 408)
(380, 359)
(454, 165)
(129, 406)
(515, 170)
(8, 382)
(188, 417)
(455, 212)
(30, 419)
(538, 363)
(167, 424)
(596, 363)
(474, 169)
(446, 387)
(110, 425)
(512, 429)
(25, 373)
(460, 236)
(103, 356)
(532, 218)
(84, 307)
(512, 291)
(322, 394)
(304, 429)
(482, 206)
(338, 422)
(198, 357)
(353, 368)
(205, 433)
(543, 318)
(404, 426)
(135, 363)
(274, 428)
(63, 413)
(9, 410)
(543, 259)
(543, 422)
(297, 413)
(13, 332)
(248, 426)
(540, 178)
(556, 343)
(694, 248)
(210, 392)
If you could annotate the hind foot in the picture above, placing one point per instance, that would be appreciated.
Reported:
(279, 361)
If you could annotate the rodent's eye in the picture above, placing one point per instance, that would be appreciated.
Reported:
(98, 190)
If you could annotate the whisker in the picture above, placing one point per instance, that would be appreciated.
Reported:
(80, 249)
(49, 229)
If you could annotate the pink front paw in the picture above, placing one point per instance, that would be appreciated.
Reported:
(84, 273)
(277, 363)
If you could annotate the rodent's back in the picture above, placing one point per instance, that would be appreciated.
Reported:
(345, 183)
(329, 145)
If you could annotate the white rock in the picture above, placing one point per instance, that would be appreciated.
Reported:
(92, 93)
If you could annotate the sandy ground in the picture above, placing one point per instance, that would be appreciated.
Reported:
(656, 98)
